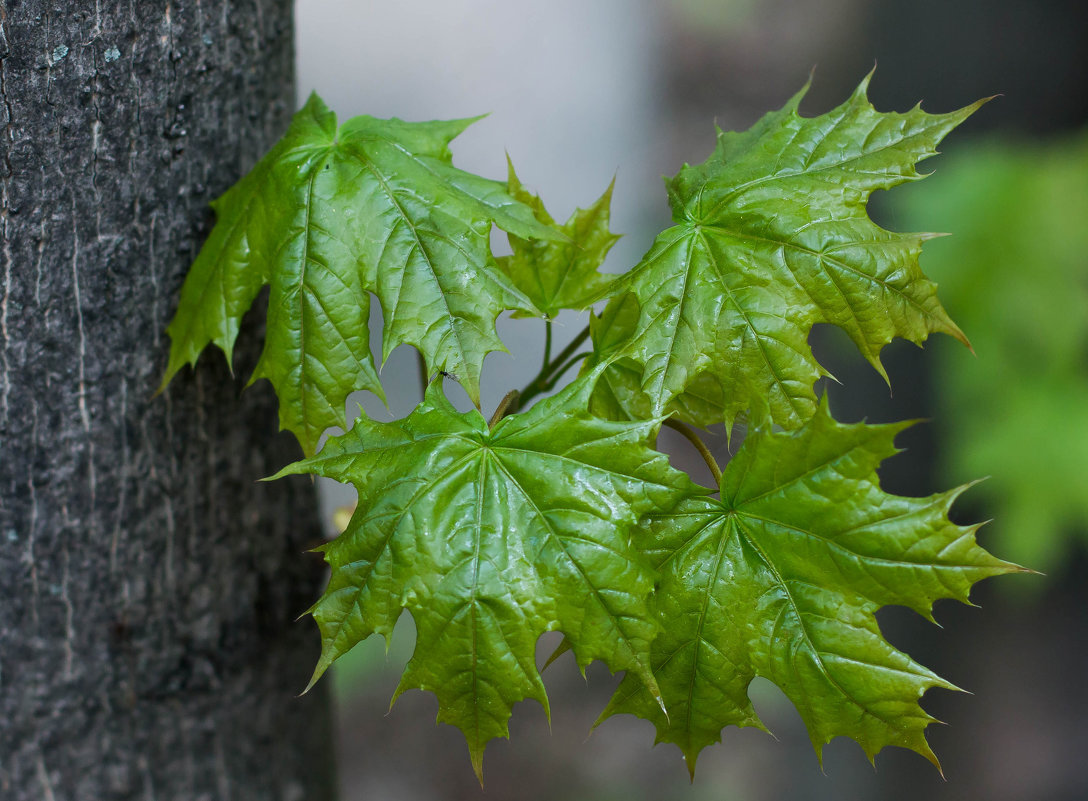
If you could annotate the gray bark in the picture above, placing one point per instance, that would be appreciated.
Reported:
(148, 583)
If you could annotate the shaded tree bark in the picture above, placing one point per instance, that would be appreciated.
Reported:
(148, 584)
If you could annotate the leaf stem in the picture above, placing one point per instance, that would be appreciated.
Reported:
(547, 344)
(509, 401)
(572, 346)
(700, 446)
(550, 370)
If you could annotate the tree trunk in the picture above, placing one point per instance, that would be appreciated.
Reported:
(148, 583)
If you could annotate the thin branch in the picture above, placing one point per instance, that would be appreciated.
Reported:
(559, 371)
(700, 446)
(573, 345)
(542, 382)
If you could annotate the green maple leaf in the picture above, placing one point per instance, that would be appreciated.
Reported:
(330, 214)
(772, 237)
(781, 577)
(490, 538)
(561, 273)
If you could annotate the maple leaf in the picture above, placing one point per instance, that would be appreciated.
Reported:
(490, 538)
(330, 214)
(772, 237)
(781, 577)
(560, 273)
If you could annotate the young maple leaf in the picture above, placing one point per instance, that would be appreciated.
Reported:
(771, 237)
(562, 273)
(780, 578)
(330, 214)
(490, 538)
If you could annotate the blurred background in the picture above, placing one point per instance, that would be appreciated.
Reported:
(581, 91)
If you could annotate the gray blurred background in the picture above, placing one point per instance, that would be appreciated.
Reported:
(579, 92)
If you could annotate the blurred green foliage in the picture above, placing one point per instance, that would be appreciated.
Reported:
(714, 16)
(1015, 277)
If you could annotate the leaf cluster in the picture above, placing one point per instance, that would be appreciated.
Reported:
(561, 515)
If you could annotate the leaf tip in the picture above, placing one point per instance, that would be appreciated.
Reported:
(309, 611)
(560, 649)
(319, 671)
(314, 102)
(476, 755)
(863, 86)
(611, 187)
(292, 469)
(166, 378)
(513, 183)
(982, 101)
(794, 102)
(878, 365)
(927, 752)
(956, 333)
(689, 761)
(945, 684)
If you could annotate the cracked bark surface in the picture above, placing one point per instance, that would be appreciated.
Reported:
(148, 583)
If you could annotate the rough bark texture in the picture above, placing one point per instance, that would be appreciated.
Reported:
(148, 584)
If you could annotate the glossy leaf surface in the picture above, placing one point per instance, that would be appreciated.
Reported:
(331, 214)
(490, 538)
(618, 393)
(781, 577)
(771, 237)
